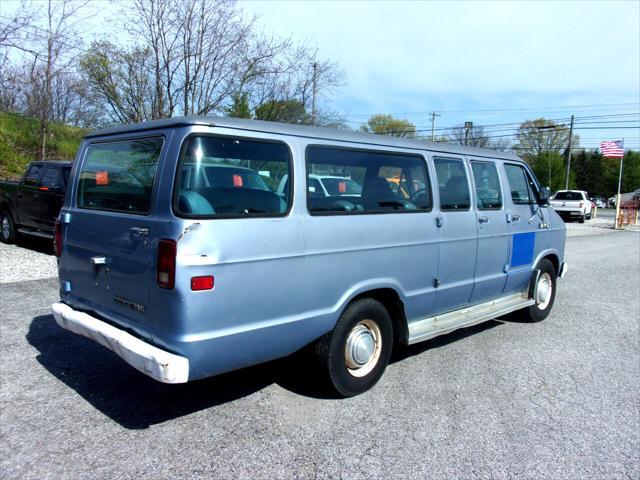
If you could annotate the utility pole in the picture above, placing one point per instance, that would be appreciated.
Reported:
(468, 126)
(314, 94)
(433, 123)
(566, 180)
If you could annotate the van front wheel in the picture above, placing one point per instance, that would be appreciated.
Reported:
(356, 352)
(545, 293)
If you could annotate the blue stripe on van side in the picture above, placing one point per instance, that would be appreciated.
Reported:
(522, 249)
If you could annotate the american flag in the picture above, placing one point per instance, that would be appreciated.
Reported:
(612, 149)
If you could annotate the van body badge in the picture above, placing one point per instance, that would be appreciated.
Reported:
(138, 307)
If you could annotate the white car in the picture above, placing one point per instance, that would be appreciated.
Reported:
(328, 186)
(572, 203)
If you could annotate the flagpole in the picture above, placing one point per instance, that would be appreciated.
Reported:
(616, 222)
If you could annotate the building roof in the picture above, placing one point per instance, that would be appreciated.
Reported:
(302, 131)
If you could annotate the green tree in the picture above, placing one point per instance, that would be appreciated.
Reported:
(630, 172)
(388, 125)
(286, 111)
(240, 107)
(549, 167)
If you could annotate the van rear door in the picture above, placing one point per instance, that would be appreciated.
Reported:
(107, 257)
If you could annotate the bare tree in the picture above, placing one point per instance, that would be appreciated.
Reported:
(121, 83)
(206, 54)
(476, 137)
(50, 46)
(541, 135)
(12, 36)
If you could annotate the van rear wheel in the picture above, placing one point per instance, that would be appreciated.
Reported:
(355, 354)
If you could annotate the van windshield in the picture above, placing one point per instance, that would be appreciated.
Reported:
(118, 176)
(231, 177)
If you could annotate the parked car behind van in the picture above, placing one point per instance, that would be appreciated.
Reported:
(195, 246)
(31, 205)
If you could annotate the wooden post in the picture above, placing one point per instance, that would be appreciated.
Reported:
(616, 223)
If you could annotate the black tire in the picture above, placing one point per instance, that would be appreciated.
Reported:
(540, 310)
(331, 349)
(7, 228)
(582, 218)
(589, 217)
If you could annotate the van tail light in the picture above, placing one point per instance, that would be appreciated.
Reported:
(581, 204)
(57, 238)
(166, 263)
(202, 283)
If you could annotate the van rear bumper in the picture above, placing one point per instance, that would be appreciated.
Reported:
(158, 364)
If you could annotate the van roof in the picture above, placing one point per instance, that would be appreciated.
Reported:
(305, 131)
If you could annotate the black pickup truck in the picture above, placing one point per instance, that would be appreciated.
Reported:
(31, 205)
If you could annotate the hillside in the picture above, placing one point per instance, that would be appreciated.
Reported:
(19, 143)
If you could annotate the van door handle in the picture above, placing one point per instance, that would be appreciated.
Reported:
(483, 219)
(515, 218)
(98, 260)
(139, 231)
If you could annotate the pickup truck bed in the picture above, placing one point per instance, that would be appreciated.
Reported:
(31, 205)
(572, 203)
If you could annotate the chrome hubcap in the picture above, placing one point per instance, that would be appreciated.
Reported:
(545, 288)
(363, 347)
(5, 227)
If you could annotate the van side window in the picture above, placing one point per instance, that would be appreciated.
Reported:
(487, 183)
(452, 184)
(226, 177)
(358, 181)
(518, 184)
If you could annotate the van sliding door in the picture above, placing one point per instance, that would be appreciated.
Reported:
(493, 232)
(458, 235)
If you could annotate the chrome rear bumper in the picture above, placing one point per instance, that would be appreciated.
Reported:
(158, 364)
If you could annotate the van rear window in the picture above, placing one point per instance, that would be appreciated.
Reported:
(118, 176)
(232, 177)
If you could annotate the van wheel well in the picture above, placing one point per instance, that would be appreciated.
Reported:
(390, 299)
(555, 261)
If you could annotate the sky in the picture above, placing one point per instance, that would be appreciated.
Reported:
(460, 59)
(489, 62)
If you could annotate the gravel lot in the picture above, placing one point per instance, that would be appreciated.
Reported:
(557, 399)
(30, 259)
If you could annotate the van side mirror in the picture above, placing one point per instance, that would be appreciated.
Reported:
(544, 197)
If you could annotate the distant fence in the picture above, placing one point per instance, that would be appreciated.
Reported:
(628, 213)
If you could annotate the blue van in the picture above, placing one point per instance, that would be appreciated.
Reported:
(195, 246)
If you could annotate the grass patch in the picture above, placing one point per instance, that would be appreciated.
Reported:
(19, 143)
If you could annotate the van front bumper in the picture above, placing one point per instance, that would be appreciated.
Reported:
(158, 364)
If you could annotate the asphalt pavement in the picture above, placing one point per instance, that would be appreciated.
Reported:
(557, 399)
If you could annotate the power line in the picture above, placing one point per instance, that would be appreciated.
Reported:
(497, 110)
(487, 128)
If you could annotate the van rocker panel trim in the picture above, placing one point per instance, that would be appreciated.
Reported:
(158, 364)
(428, 328)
